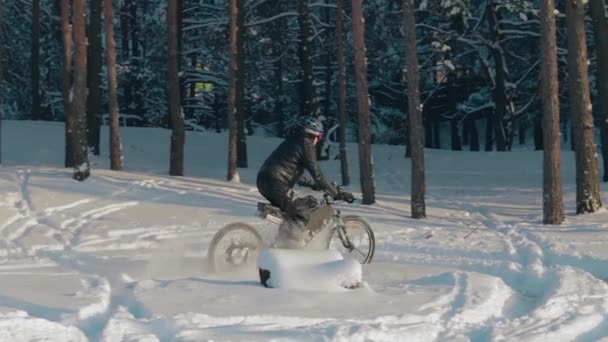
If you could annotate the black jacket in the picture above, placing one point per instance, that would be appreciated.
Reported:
(288, 162)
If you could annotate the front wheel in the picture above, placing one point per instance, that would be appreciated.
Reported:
(355, 238)
(234, 246)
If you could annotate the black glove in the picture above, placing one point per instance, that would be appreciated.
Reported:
(345, 196)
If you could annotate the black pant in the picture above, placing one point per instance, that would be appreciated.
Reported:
(278, 194)
(275, 192)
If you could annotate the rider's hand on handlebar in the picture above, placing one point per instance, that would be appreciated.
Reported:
(345, 196)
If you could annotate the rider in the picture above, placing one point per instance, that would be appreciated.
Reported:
(285, 166)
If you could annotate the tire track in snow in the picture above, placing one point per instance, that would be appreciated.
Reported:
(109, 292)
(101, 288)
(537, 282)
(28, 217)
(22, 222)
(75, 225)
(115, 294)
(549, 293)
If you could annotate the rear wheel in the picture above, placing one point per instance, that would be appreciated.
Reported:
(234, 246)
(355, 239)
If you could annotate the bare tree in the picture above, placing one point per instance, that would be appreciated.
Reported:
(232, 92)
(175, 109)
(587, 173)
(418, 206)
(365, 148)
(553, 206)
(94, 77)
(116, 156)
(342, 92)
(66, 83)
(600, 31)
(35, 61)
(79, 122)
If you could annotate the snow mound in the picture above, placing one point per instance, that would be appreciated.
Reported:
(17, 325)
(312, 270)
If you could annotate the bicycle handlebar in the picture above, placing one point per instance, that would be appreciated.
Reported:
(326, 195)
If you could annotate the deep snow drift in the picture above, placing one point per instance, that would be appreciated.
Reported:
(121, 256)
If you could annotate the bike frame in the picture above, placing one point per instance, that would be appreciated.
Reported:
(336, 223)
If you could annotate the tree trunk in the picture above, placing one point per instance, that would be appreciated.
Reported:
(466, 130)
(35, 66)
(522, 131)
(553, 207)
(241, 153)
(277, 32)
(538, 135)
(600, 31)
(232, 92)
(455, 135)
(327, 57)
(418, 206)
(1, 72)
(79, 122)
(126, 52)
(437, 133)
(136, 59)
(473, 136)
(365, 148)
(587, 178)
(217, 112)
(66, 82)
(428, 131)
(489, 132)
(175, 108)
(342, 111)
(323, 146)
(500, 95)
(191, 101)
(278, 102)
(116, 157)
(308, 103)
(94, 77)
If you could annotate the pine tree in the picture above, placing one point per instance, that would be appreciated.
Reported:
(232, 92)
(418, 206)
(35, 62)
(116, 156)
(94, 77)
(1, 71)
(66, 83)
(600, 32)
(308, 103)
(241, 153)
(79, 120)
(553, 207)
(365, 148)
(175, 109)
(587, 173)
(342, 92)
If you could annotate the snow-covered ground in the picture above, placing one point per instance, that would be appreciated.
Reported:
(121, 256)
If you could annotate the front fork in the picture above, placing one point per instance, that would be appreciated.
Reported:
(341, 229)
